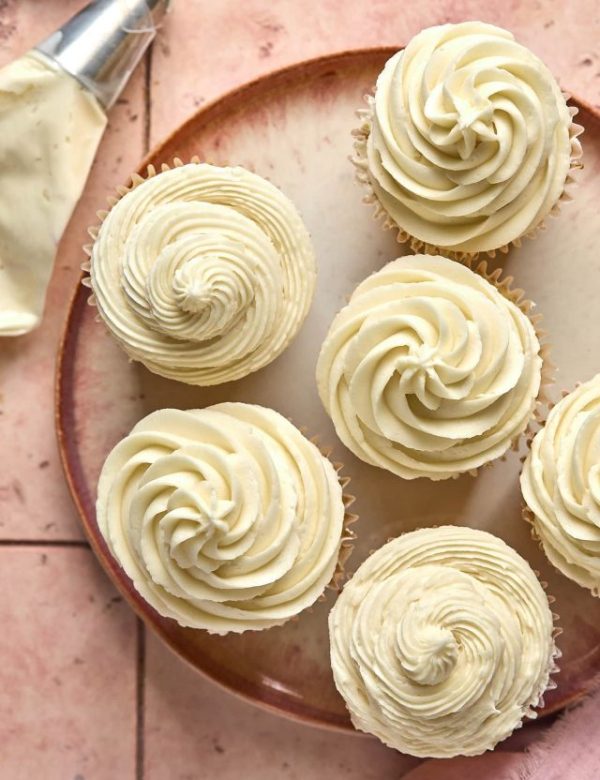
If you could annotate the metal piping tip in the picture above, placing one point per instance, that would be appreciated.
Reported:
(102, 44)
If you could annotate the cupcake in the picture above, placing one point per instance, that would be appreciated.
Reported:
(203, 274)
(430, 370)
(225, 518)
(561, 485)
(442, 642)
(468, 142)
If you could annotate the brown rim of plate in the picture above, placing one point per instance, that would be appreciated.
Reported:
(297, 73)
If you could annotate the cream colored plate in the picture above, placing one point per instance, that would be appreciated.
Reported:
(294, 128)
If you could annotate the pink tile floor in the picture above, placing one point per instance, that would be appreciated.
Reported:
(85, 693)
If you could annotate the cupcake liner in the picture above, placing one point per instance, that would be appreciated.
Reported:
(350, 518)
(359, 160)
(529, 517)
(556, 654)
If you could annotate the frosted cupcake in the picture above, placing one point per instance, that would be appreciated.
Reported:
(225, 518)
(430, 370)
(561, 485)
(468, 142)
(203, 274)
(442, 642)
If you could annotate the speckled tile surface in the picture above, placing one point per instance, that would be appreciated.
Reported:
(82, 695)
(68, 673)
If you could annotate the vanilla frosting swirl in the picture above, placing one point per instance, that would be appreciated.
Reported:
(442, 642)
(225, 518)
(429, 371)
(204, 274)
(561, 485)
(469, 143)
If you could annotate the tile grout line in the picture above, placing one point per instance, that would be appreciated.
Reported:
(44, 543)
(140, 702)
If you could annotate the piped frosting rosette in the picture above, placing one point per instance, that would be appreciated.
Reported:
(442, 642)
(204, 274)
(430, 370)
(561, 485)
(468, 142)
(225, 518)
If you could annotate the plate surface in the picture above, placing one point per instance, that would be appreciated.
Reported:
(293, 127)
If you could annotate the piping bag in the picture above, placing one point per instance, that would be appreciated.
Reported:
(53, 106)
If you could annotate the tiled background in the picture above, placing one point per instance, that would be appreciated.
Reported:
(85, 693)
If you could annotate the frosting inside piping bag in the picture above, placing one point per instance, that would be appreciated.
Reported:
(50, 128)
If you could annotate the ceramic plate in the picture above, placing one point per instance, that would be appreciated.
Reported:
(293, 127)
